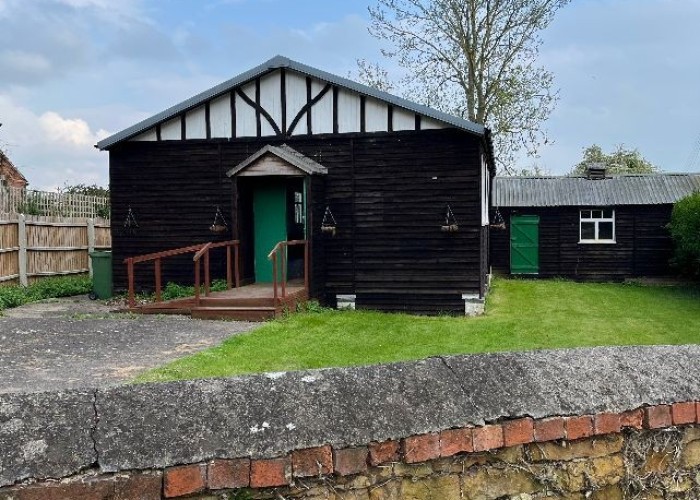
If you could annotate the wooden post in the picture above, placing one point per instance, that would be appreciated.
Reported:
(196, 282)
(130, 275)
(237, 274)
(22, 256)
(91, 242)
(207, 276)
(229, 270)
(274, 277)
(158, 280)
(283, 248)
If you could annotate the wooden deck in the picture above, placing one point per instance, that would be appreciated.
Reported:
(248, 303)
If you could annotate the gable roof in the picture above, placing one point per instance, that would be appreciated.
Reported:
(290, 155)
(280, 62)
(13, 176)
(648, 189)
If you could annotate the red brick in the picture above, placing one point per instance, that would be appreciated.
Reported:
(384, 452)
(488, 437)
(697, 412)
(579, 427)
(657, 417)
(349, 461)
(224, 474)
(312, 462)
(265, 473)
(549, 429)
(421, 448)
(633, 419)
(184, 480)
(606, 423)
(683, 413)
(455, 441)
(146, 486)
(520, 431)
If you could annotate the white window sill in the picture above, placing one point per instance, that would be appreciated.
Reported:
(597, 242)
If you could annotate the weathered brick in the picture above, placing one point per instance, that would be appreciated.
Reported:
(350, 461)
(488, 437)
(184, 480)
(421, 448)
(549, 429)
(520, 431)
(442, 487)
(455, 441)
(683, 413)
(483, 482)
(146, 486)
(224, 474)
(657, 417)
(579, 427)
(384, 452)
(265, 473)
(312, 462)
(697, 412)
(633, 419)
(606, 423)
(583, 448)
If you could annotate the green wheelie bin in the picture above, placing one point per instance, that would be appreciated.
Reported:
(101, 275)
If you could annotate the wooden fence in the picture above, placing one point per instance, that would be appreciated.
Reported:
(24, 201)
(32, 247)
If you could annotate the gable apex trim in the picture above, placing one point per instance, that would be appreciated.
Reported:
(287, 154)
(277, 63)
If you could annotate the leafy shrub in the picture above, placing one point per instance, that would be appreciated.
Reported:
(685, 231)
(174, 291)
(47, 288)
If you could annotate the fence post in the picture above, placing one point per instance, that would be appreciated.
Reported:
(91, 241)
(22, 255)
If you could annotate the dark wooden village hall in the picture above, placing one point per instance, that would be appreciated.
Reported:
(289, 182)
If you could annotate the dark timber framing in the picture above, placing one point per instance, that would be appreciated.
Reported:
(387, 189)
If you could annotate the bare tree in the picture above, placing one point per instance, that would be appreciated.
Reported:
(476, 59)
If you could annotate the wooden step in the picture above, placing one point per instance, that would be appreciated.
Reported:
(237, 313)
(236, 302)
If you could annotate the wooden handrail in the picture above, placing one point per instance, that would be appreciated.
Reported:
(201, 250)
(283, 266)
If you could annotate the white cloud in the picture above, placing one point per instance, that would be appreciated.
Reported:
(71, 131)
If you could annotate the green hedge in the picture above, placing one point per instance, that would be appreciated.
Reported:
(685, 230)
(46, 288)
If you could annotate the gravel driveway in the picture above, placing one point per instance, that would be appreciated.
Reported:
(75, 342)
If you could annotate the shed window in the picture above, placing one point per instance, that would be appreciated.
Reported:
(597, 225)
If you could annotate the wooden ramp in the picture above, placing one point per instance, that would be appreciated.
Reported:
(248, 303)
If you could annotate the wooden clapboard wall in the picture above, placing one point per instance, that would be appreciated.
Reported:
(388, 192)
(643, 244)
(286, 103)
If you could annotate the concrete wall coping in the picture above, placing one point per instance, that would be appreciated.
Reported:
(152, 426)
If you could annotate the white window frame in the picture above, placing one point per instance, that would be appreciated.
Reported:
(485, 189)
(596, 221)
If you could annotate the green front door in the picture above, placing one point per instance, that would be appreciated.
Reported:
(270, 225)
(524, 244)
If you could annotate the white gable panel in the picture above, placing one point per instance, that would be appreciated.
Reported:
(246, 122)
(322, 111)
(429, 124)
(271, 101)
(148, 135)
(403, 119)
(171, 130)
(196, 124)
(220, 116)
(376, 116)
(296, 99)
(348, 111)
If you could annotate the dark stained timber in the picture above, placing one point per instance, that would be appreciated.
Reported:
(259, 111)
(387, 191)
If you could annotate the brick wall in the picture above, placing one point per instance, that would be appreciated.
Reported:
(651, 452)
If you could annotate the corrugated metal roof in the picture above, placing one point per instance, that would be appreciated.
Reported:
(279, 62)
(651, 189)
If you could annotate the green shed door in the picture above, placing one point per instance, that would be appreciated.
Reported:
(270, 226)
(524, 244)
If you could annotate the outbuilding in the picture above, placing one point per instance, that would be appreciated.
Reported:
(389, 198)
(591, 227)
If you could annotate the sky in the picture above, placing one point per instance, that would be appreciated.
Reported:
(75, 71)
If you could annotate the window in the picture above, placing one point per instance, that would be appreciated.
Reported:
(597, 226)
(298, 208)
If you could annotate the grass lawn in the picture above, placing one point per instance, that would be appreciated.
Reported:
(521, 315)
